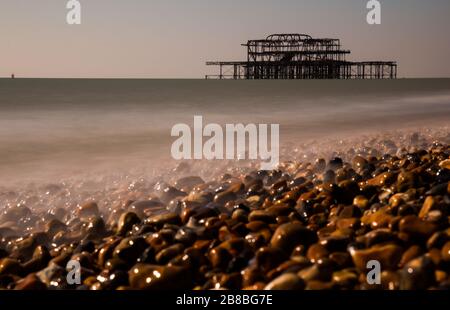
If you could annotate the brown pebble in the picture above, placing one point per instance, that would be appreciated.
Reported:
(390, 280)
(151, 277)
(320, 286)
(160, 220)
(361, 202)
(126, 222)
(268, 258)
(379, 219)
(261, 216)
(346, 278)
(88, 209)
(10, 266)
(316, 252)
(288, 236)
(388, 255)
(317, 272)
(351, 223)
(417, 228)
(287, 281)
(378, 236)
(418, 274)
(224, 197)
(410, 254)
(446, 252)
(445, 164)
(30, 283)
(165, 255)
(427, 206)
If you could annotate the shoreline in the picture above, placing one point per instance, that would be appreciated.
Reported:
(312, 224)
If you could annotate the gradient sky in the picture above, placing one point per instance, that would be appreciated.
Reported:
(174, 38)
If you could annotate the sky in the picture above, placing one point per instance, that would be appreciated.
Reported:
(174, 38)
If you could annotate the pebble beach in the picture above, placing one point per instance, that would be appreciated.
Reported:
(312, 224)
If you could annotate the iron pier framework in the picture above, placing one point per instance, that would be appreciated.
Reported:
(299, 56)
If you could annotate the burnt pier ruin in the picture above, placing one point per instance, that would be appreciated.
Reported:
(300, 56)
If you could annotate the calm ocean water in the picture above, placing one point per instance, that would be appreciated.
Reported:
(56, 128)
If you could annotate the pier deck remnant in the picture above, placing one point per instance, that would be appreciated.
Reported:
(300, 56)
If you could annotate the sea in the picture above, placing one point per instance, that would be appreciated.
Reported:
(105, 131)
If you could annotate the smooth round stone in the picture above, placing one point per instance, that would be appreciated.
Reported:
(252, 275)
(316, 272)
(341, 259)
(390, 280)
(383, 179)
(165, 255)
(53, 276)
(130, 249)
(349, 212)
(227, 281)
(440, 189)
(294, 265)
(169, 193)
(446, 252)
(140, 207)
(445, 164)
(388, 255)
(262, 216)
(268, 258)
(359, 162)
(280, 210)
(348, 223)
(329, 177)
(30, 283)
(126, 222)
(23, 248)
(438, 239)
(110, 280)
(315, 285)
(378, 219)
(10, 266)
(88, 209)
(435, 256)
(427, 206)
(287, 236)
(116, 263)
(185, 235)
(54, 226)
(224, 197)
(361, 202)
(320, 165)
(316, 252)
(347, 278)
(287, 281)
(335, 243)
(411, 253)
(14, 214)
(440, 276)
(418, 274)
(61, 259)
(255, 226)
(398, 199)
(219, 257)
(240, 215)
(95, 227)
(417, 228)
(378, 236)
(160, 220)
(106, 251)
(189, 182)
(154, 277)
(38, 261)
